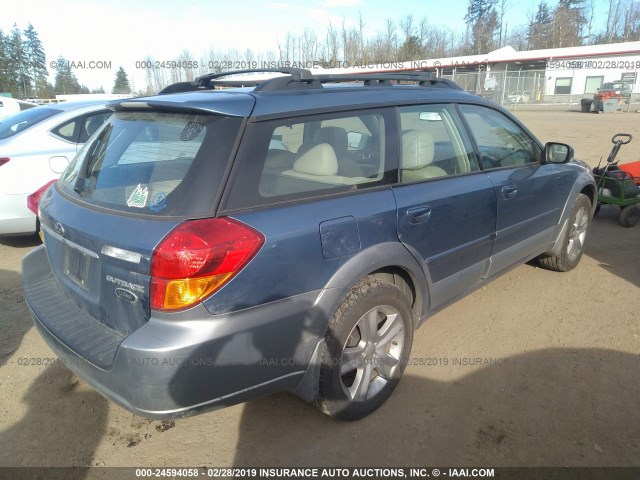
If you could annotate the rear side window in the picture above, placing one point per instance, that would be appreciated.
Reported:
(312, 156)
(19, 122)
(162, 164)
(79, 129)
(69, 130)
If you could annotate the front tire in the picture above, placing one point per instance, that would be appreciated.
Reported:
(574, 240)
(366, 350)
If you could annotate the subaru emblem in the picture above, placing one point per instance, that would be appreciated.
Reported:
(126, 295)
(59, 229)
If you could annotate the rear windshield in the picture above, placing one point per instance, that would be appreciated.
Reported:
(152, 163)
(13, 124)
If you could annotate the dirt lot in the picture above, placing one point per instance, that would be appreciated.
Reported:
(562, 389)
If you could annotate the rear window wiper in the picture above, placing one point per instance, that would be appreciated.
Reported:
(99, 146)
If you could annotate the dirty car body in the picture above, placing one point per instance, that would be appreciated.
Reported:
(209, 246)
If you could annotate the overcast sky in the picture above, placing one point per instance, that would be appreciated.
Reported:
(125, 31)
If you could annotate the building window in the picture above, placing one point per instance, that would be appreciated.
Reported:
(592, 84)
(563, 86)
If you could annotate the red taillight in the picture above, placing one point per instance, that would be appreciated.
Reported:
(34, 198)
(197, 258)
(4, 160)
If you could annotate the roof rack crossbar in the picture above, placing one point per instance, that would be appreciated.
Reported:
(298, 74)
(209, 80)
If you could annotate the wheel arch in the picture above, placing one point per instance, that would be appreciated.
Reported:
(390, 262)
(585, 185)
(590, 191)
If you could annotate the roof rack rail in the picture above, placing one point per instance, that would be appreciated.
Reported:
(424, 79)
(297, 78)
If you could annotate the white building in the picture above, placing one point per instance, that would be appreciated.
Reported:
(549, 75)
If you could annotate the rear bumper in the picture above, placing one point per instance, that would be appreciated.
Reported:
(15, 217)
(170, 368)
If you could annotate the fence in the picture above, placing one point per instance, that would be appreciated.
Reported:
(518, 87)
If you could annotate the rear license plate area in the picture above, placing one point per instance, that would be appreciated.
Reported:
(77, 267)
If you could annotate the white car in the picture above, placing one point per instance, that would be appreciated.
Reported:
(9, 106)
(519, 97)
(36, 146)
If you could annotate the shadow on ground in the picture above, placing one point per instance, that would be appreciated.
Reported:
(21, 241)
(608, 240)
(566, 407)
(63, 425)
(14, 318)
(64, 420)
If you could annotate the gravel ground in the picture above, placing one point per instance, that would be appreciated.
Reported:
(536, 369)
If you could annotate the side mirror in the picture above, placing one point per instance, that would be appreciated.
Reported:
(557, 152)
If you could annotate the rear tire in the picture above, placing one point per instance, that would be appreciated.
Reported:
(574, 239)
(366, 350)
(629, 216)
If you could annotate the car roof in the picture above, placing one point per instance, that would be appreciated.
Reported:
(263, 103)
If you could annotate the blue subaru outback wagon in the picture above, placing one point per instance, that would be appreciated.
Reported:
(211, 244)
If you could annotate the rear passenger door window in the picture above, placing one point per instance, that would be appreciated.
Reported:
(433, 144)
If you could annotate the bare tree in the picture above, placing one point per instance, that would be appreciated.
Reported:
(590, 10)
(390, 41)
(502, 6)
(631, 23)
(308, 46)
(613, 17)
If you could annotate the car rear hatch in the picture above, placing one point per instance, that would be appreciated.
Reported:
(146, 172)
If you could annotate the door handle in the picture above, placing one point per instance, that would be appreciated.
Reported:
(418, 215)
(510, 191)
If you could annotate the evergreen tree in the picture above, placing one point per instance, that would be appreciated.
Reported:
(44, 88)
(540, 28)
(98, 90)
(5, 77)
(411, 49)
(20, 81)
(482, 20)
(569, 23)
(36, 60)
(121, 85)
(66, 82)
